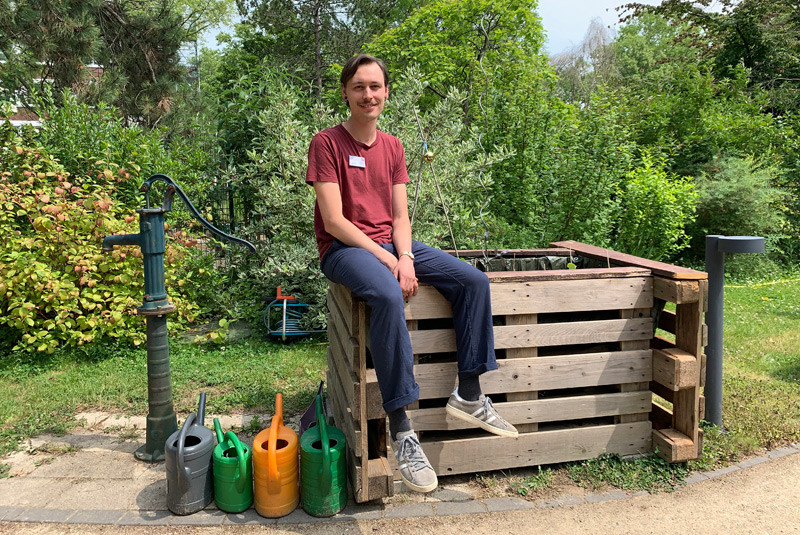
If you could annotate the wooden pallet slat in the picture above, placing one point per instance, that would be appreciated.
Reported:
(542, 335)
(537, 411)
(530, 449)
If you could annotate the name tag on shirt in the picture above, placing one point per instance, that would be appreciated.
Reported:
(357, 161)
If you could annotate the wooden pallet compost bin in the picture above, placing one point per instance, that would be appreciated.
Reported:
(579, 364)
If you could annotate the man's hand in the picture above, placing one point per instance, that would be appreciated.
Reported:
(404, 271)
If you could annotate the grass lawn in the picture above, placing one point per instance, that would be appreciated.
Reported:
(44, 396)
(761, 398)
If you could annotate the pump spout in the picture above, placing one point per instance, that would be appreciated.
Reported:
(120, 239)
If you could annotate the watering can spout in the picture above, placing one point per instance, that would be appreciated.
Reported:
(119, 239)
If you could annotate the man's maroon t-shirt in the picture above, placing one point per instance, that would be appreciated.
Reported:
(365, 174)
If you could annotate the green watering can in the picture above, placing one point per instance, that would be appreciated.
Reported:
(323, 474)
(233, 472)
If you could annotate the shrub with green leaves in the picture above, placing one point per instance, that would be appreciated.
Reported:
(56, 286)
(654, 209)
(738, 196)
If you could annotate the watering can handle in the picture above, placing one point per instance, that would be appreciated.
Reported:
(218, 431)
(172, 189)
(325, 446)
(272, 455)
(240, 482)
(183, 470)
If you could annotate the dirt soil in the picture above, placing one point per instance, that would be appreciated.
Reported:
(763, 499)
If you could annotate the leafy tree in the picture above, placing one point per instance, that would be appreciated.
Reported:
(458, 43)
(761, 35)
(135, 44)
(309, 36)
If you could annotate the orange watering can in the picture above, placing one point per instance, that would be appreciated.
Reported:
(276, 467)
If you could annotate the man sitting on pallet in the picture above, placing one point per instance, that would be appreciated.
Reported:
(364, 237)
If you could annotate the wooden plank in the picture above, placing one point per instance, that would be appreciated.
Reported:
(532, 412)
(688, 337)
(703, 369)
(362, 388)
(662, 391)
(449, 457)
(541, 335)
(342, 415)
(343, 335)
(507, 253)
(658, 268)
(377, 475)
(676, 291)
(660, 416)
(673, 446)
(543, 373)
(630, 346)
(524, 352)
(341, 369)
(674, 368)
(343, 299)
(539, 296)
(567, 274)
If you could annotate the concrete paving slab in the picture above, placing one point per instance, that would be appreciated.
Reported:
(152, 497)
(412, 510)
(361, 512)
(449, 495)
(781, 452)
(459, 508)
(30, 491)
(200, 518)
(298, 516)
(44, 515)
(606, 496)
(154, 471)
(753, 461)
(96, 516)
(722, 471)
(92, 464)
(248, 517)
(105, 494)
(10, 513)
(695, 478)
(497, 505)
(145, 518)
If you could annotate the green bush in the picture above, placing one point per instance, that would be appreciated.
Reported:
(737, 196)
(56, 287)
(654, 209)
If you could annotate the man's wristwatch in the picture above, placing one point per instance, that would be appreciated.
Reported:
(408, 254)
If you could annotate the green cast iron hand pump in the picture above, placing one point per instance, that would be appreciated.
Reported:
(161, 419)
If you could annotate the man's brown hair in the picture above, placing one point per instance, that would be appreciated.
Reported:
(355, 62)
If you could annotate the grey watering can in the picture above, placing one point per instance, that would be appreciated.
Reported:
(189, 464)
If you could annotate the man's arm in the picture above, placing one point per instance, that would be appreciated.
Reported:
(329, 200)
(401, 237)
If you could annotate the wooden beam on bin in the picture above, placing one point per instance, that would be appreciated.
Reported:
(673, 446)
(622, 259)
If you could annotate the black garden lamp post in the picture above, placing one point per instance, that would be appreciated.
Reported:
(716, 247)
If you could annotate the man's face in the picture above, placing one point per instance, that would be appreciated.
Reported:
(365, 92)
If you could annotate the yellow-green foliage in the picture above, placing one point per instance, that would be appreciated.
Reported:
(56, 285)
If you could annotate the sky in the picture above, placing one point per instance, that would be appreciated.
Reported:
(566, 21)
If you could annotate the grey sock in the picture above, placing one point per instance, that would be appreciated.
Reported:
(398, 422)
(469, 388)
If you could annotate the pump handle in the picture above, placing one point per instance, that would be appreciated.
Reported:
(172, 189)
